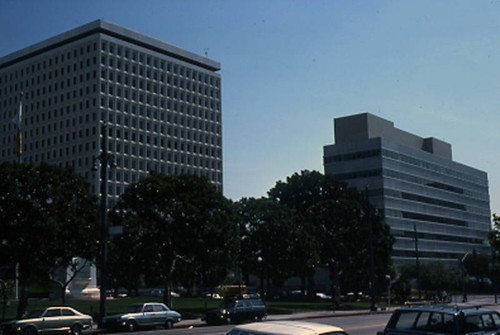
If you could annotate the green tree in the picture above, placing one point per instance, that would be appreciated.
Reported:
(494, 235)
(174, 223)
(299, 192)
(331, 219)
(47, 217)
(267, 236)
(436, 276)
(477, 266)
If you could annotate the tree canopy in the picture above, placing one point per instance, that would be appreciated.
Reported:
(329, 224)
(47, 217)
(176, 229)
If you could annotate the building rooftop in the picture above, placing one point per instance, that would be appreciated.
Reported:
(364, 126)
(108, 28)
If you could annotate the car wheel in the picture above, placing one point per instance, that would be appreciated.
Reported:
(76, 330)
(130, 326)
(30, 331)
(169, 324)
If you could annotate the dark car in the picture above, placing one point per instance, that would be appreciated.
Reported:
(49, 320)
(149, 314)
(442, 319)
(237, 310)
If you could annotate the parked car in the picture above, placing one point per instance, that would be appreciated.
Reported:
(286, 328)
(237, 310)
(148, 314)
(442, 319)
(49, 320)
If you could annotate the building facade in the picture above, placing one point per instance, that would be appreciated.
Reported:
(160, 103)
(431, 203)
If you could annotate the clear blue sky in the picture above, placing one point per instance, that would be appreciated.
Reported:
(290, 67)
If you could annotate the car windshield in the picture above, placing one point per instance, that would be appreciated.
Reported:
(134, 308)
(35, 314)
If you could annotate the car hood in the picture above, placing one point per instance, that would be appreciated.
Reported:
(20, 321)
(8, 323)
(114, 316)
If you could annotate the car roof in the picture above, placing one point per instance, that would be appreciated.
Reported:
(289, 328)
(451, 309)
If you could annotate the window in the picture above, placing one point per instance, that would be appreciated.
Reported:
(67, 312)
(53, 312)
(406, 320)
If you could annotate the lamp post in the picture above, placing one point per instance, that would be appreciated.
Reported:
(103, 160)
(464, 274)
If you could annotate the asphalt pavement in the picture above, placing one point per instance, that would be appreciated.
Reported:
(471, 300)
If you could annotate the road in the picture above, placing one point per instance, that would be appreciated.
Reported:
(367, 324)
(360, 324)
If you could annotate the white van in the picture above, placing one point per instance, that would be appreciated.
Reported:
(286, 328)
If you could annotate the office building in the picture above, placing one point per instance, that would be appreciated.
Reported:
(415, 183)
(161, 105)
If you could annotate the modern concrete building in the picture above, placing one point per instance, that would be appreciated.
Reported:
(161, 104)
(421, 191)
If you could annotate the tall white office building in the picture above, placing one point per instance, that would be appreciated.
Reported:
(161, 105)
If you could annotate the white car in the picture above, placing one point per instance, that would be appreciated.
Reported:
(286, 328)
(148, 314)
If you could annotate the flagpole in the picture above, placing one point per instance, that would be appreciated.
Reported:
(19, 153)
(19, 136)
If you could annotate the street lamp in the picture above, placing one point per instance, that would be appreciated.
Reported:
(103, 160)
(464, 273)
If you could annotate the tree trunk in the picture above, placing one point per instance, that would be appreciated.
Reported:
(23, 298)
(334, 278)
(311, 284)
(167, 294)
(63, 294)
(303, 285)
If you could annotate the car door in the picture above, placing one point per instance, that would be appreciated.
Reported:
(51, 321)
(68, 318)
(160, 314)
(147, 317)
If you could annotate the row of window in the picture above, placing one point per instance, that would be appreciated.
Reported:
(434, 219)
(133, 88)
(484, 197)
(133, 75)
(422, 199)
(406, 159)
(436, 237)
(434, 167)
(121, 52)
(51, 77)
(132, 96)
(117, 188)
(427, 254)
(35, 66)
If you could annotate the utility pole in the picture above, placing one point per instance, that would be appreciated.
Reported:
(104, 159)
(373, 306)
